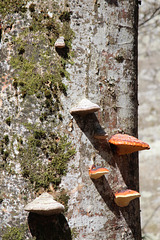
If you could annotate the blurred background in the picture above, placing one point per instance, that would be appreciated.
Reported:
(149, 116)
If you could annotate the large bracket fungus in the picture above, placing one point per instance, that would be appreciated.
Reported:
(44, 205)
(126, 144)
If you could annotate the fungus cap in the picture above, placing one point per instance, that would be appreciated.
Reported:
(97, 172)
(85, 106)
(123, 197)
(127, 144)
(44, 205)
(60, 42)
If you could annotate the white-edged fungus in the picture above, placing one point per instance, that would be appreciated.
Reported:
(97, 172)
(123, 197)
(44, 205)
(60, 43)
(84, 107)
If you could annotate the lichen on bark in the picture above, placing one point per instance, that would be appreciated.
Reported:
(44, 158)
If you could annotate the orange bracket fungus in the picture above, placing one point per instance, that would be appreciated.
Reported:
(84, 107)
(97, 172)
(123, 197)
(44, 205)
(60, 43)
(127, 144)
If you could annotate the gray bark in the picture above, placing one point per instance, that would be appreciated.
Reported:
(105, 71)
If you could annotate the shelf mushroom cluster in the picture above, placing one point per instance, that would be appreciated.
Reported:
(122, 143)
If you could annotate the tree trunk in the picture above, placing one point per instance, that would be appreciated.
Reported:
(35, 114)
(104, 71)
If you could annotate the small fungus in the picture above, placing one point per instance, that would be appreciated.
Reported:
(97, 172)
(60, 43)
(44, 205)
(123, 197)
(84, 107)
(126, 144)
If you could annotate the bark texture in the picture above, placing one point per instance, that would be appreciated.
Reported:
(105, 72)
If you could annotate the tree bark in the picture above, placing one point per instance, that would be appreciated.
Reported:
(105, 72)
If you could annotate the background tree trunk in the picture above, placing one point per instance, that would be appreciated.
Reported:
(105, 72)
(149, 116)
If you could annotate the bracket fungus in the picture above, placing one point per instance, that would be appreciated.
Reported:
(126, 144)
(60, 43)
(97, 172)
(44, 205)
(123, 197)
(84, 107)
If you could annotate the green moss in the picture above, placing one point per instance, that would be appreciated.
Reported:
(15, 233)
(74, 233)
(37, 69)
(1, 198)
(10, 6)
(20, 140)
(25, 198)
(21, 50)
(65, 16)
(63, 198)
(51, 146)
(68, 34)
(43, 116)
(6, 139)
(30, 81)
(9, 168)
(23, 66)
(4, 149)
(43, 22)
(32, 7)
(8, 121)
(60, 117)
(15, 84)
(5, 155)
(48, 94)
(39, 134)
